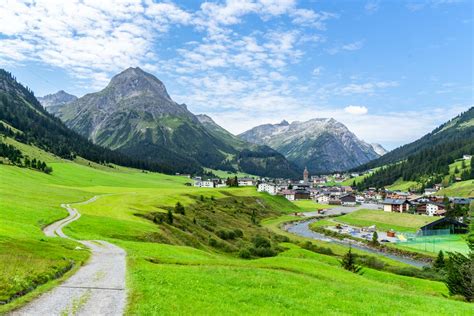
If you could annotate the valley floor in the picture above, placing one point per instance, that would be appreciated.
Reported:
(176, 279)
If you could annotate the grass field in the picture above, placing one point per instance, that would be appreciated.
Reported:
(386, 220)
(225, 174)
(310, 206)
(173, 279)
(460, 189)
(401, 185)
(433, 244)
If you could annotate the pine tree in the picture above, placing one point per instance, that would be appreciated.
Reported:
(439, 263)
(179, 208)
(375, 239)
(348, 262)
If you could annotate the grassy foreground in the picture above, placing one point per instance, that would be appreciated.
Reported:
(178, 279)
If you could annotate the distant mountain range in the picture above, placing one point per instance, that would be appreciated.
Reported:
(54, 102)
(135, 115)
(323, 145)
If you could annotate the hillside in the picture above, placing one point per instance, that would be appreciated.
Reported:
(135, 115)
(322, 145)
(169, 266)
(22, 117)
(427, 161)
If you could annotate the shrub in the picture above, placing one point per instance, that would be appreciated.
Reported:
(169, 218)
(263, 252)
(261, 242)
(348, 262)
(179, 208)
(244, 253)
(238, 233)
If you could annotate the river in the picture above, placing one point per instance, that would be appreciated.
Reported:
(302, 229)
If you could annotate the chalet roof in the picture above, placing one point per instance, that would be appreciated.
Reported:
(395, 201)
(448, 220)
(287, 192)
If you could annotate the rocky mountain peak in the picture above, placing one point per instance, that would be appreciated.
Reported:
(284, 123)
(134, 82)
(57, 99)
(205, 119)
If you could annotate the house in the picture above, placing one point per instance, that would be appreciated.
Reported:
(396, 205)
(334, 200)
(288, 194)
(270, 188)
(430, 191)
(246, 182)
(445, 223)
(467, 157)
(204, 183)
(348, 200)
(431, 209)
(360, 199)
(323, 199)
(301, 194)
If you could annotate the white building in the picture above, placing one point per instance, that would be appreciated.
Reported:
(204, 183)
(323, 199)
(289, 194)
(433, 209)
(270, 188)
(467, 157)
(246, 182)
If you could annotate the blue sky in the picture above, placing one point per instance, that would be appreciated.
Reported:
(390, 70)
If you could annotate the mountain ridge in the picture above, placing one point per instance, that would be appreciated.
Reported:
(135, 115)
(322, 144)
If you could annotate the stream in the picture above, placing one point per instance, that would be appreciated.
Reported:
(302, 229)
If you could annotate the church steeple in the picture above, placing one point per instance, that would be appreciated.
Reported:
(305, 175)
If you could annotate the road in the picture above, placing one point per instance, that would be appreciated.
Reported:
(97, 288)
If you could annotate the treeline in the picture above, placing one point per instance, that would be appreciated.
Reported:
(16, 158)
(20, 109)
(429, 166)
(266, 161)
(457, 129)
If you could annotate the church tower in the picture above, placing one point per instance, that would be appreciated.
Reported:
(305, 175)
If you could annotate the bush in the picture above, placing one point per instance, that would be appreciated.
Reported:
(245, 253)
(312, 247)
(261, 242)
(263, 252)
(179, 208)
(238, 233)
(226, 234)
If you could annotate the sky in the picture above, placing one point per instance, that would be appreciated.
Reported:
(391, 71)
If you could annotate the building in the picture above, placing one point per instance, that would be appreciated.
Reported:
(445, 223)
(431, 209)
(288, 194)
(301, 194)
(305, 175)
(323, 199)
(204, 183)
(430, 191)
(396, 205)
(348, 200)
(246, 182)
(467, 157)
(270, 188)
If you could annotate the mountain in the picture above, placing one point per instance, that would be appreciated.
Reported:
(323, 145)
(53, 102)
(427, 160)
(135, 115)
(379, 149)
(457, 128)
(23, 118)
(254, 159)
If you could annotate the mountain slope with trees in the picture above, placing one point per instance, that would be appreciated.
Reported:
(24, 119)
(426, 160)
(135, 115)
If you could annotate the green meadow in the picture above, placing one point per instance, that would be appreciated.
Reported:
(194, 265)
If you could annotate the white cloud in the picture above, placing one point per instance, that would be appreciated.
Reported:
(353, 46)
(365, 88)
(372, 6)
(317, 71)
(356, 109)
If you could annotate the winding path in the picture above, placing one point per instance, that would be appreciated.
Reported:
(97, 288)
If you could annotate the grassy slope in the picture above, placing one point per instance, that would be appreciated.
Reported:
(310, 206)
(386, 220)
(460, 189)
(187, 280)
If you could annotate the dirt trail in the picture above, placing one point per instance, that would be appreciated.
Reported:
(97, 288)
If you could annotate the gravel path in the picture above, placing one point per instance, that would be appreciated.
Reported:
(97, 288)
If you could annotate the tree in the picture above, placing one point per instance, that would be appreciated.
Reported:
(179, 208)
(348, 262)
(169, 219)
(375, 239)
(439, 263)
(460, 268)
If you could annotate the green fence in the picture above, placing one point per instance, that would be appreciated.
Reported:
(434, 241)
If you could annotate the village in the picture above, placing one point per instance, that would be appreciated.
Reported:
(329, 190)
